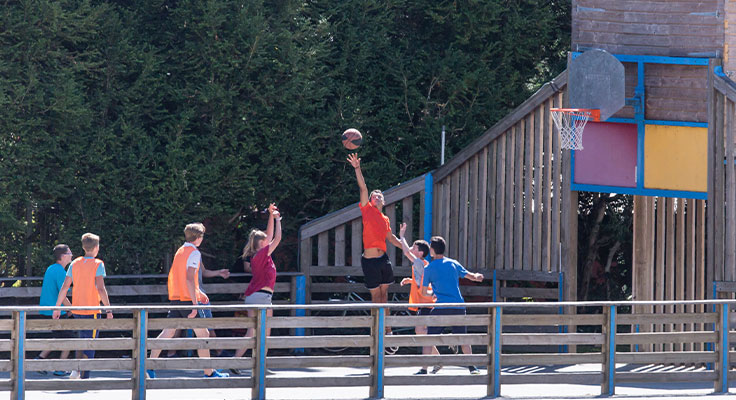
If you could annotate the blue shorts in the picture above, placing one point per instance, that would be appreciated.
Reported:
(88, 333)
(436, 330)
(206, 313)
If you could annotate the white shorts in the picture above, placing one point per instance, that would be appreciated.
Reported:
(259, 298)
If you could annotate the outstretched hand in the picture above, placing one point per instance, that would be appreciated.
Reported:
(402, 229)
(272, 208)
(354, 160)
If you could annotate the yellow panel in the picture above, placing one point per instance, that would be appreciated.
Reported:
(675, 158)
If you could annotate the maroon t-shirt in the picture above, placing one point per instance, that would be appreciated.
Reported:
(264, 271)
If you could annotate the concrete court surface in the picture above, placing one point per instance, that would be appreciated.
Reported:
(528, 391)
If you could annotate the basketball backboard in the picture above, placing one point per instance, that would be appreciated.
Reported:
(596, 81)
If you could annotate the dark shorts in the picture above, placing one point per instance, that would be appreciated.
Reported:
(206, 313)
(62, 334)
(183, 313)
(436, 330)
(421, 311)
(377, 271)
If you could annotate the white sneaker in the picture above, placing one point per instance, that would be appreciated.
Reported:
(74, 375)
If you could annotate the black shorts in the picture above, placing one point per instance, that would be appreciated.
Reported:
(377, 271)
(436, 330)
(183, 313)
(421, 311)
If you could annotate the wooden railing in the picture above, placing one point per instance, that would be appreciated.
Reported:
(608, 338)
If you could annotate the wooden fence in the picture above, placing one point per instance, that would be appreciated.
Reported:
(721, 249)
(606, 339)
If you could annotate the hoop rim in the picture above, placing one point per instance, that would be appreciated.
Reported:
(595, 114)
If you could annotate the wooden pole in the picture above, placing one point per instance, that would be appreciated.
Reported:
(608, 350)
(17, 356)
(140, 354)
(258, 390)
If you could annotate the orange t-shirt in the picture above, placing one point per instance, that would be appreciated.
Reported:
(375, 227)
(415, 294)
(177, 282)
(84, 288)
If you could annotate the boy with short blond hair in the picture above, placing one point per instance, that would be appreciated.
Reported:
(183, 288)
(87, 275)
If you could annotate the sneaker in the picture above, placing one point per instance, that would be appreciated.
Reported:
(84, 375)
(235, 371)
(454, 349)
(421, 372)
(473, 370)
(42, 372)
(393, 349)
(217, 374)
(74, 375)
(436, 369)
(151, 374)
(60, 373)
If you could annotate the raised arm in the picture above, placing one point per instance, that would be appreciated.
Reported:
(404, 245)
(269, 227)
(277, 236)
(355, 163)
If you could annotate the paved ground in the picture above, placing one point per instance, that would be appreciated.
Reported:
(627, 391)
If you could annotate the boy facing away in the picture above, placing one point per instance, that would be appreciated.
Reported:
(443, 273)
(86, 276)
(53, 280)
(183, 288)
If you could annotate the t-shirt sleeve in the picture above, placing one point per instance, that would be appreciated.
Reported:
(418, 269)
(100, 270)
(69, 271)
(194, 259)
(461, 271)
(60, 276)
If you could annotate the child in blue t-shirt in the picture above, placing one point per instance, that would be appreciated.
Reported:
(53, 280)
(443, 274)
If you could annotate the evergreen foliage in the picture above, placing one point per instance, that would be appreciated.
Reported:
(130, 119)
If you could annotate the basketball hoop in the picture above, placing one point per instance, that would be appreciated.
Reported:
(570, 123)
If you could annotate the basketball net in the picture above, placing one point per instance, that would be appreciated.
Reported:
(570, 123)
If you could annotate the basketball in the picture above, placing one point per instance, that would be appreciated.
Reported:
(352, 139)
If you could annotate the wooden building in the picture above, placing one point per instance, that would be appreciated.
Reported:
(507, 203)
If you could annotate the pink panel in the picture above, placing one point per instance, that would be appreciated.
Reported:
(609, 155)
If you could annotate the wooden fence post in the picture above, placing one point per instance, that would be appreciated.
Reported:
(258, 391)
(378, 332)
(721, 348)
(140, 354)
(608, 384)
(17, 356)
(494, 353)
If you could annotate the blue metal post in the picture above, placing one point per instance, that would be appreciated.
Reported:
(494, 285)
(262, 355)
(497, 353)
(611, 350)
(21, 355)
(380, 353)
(561, 310)
(301, 298)
(428, 196)
(142, 354)
(723, 347)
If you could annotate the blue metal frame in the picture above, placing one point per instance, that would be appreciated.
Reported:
(639, 104)
(611, 350)
(142, 354)
(561, 310)
(262, 355)
(21, 369)
(428, 196)
(497, 354)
